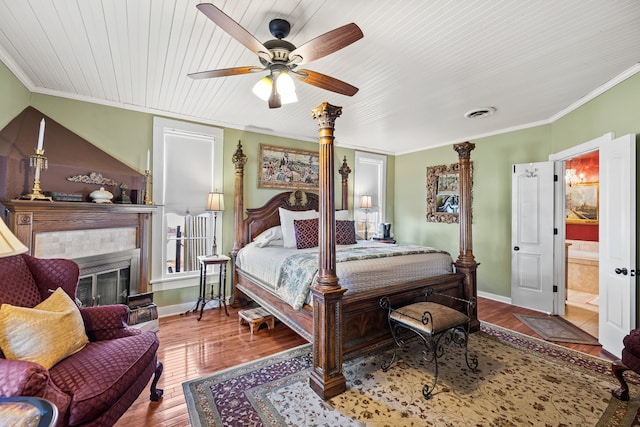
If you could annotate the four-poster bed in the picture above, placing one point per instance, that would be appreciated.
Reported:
(339, 323)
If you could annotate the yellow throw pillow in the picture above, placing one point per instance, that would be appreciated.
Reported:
(45, 334)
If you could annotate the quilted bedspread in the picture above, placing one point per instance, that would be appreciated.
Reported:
(298, 271)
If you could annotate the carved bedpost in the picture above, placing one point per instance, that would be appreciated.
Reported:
(239, 160)
(326, 378)
(345, 170)
(466, 263)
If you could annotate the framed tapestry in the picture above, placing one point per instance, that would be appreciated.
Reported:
(443, 193)
(581, 203)
(288, 168)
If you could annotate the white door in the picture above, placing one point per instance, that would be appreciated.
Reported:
(617, 234)
(532, 236)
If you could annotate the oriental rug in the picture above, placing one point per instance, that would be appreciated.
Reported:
(555, 328)
(520, 381)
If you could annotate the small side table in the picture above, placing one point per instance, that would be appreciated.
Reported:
(48, 412)
(220, 260)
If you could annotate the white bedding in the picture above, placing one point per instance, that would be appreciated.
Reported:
(264, 264)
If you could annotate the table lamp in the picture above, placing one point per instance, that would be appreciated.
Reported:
(215, 204)
(365, 203)
(9, 244)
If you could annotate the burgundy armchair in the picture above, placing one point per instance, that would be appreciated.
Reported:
(630, 361)
(96, 385)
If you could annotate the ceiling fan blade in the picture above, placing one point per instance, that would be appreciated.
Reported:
(325, 82)
(234, 29)
(327, 43)
(225, 72)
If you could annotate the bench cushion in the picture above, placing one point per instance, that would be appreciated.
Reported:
(443, 317)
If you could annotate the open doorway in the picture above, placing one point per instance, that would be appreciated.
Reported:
(581, 241)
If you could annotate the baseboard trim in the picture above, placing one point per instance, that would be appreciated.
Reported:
(494, 297)
(172, 310)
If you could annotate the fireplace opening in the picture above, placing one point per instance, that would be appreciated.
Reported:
(108, 278)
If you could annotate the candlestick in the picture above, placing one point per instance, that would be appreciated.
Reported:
(41, 135)
(148, 160)
(37, 161)
(147, 187)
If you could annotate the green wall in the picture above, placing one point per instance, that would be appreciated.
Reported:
(127, 135)
(14, 97)
(613, 111)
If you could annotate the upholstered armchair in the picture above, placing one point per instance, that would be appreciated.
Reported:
(630, 361)
(98, 383)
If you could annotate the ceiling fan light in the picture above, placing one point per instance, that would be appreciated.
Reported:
(286, 88)
(262, 88)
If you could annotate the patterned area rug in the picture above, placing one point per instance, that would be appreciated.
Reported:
(520, 381)
(555, 328)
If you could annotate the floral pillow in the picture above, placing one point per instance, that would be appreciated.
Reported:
(306, 233)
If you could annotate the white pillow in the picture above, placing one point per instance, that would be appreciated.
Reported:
(342, 215)
(286, 222)
(272, 234)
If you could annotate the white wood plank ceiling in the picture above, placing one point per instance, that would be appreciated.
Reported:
(420, 66)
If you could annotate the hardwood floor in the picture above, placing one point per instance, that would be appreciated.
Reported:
(190, 349)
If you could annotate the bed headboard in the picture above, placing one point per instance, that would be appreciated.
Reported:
(267, 216)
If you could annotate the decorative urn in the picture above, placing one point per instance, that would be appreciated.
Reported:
(101, 196)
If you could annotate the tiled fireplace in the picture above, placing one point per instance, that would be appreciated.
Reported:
(110, 243)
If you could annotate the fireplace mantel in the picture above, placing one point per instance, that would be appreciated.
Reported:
(27, 219)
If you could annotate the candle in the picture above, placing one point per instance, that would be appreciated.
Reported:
(41, 135)
(148, 159)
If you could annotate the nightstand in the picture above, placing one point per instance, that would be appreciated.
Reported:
(205, 261)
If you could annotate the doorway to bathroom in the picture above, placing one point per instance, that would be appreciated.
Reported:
(581, 241)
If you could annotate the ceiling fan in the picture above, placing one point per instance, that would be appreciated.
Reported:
(281, 58)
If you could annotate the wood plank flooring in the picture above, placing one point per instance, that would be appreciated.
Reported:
(190, 349)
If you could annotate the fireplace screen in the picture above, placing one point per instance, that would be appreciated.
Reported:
(108, 279)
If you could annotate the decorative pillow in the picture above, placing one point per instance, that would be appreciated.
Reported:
(45, 334)
(272, 234)
(345, 233)
(306, 233)
(286, 222)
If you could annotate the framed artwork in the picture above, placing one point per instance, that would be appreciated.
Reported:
(288, 168)
(443, 193)
(581, 203)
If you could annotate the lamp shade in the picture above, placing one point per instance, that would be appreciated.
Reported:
(262, 89)
(286, 88)
(215, 202)
(365, 202)
(9, 244)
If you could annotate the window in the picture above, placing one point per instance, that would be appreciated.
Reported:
(187, 165)
(370, 179)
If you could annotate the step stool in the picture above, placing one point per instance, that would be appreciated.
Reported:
(256, 317)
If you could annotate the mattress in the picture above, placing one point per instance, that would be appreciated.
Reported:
(264, 264)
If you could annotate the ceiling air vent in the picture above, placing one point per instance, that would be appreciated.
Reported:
(480, 112)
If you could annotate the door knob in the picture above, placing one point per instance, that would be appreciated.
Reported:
(622, 271)
(516, 248)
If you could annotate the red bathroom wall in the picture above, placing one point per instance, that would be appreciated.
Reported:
(586, 166)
